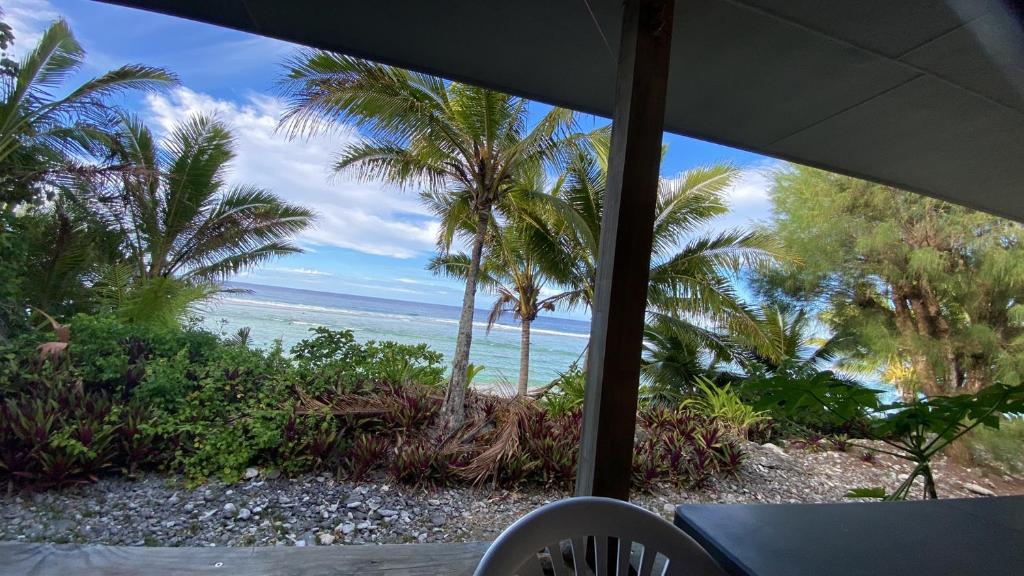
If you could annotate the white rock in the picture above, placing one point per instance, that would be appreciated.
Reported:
(346, 528)
(979, 490)
(325, 538)
(251, 473)
(244, 514)
(230, 510)
(775, 449)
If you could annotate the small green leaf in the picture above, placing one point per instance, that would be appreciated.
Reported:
(878, 492)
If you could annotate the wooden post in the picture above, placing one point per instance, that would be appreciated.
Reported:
(620, 302)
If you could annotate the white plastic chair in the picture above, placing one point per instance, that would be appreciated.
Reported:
(533, 545)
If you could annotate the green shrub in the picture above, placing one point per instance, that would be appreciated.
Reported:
(1003, 446)
(333, 361)
(567, 393)
(721, 403)
(136, 397)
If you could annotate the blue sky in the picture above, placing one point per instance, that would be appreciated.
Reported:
(371, 239)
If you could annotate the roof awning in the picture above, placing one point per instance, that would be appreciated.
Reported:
(927, 95)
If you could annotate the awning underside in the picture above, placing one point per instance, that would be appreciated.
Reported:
(927, 95)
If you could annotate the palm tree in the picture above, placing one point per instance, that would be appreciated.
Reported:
(176, 214)
(691, 297)
(510, 272)
(420, 131)
(42, 135)
(799, 351)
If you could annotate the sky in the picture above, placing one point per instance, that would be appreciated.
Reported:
(370, 238)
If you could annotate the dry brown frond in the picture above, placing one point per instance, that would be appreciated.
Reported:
(505, 443)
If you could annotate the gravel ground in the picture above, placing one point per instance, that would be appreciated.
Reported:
(316, 510)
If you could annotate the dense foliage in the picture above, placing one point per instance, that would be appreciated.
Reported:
(914, 431)
(98, 214)
(448, 138)
(926, 293)
(128, 397)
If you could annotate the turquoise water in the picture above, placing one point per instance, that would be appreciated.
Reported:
(288, 314)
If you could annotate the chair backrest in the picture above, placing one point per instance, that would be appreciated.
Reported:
(589, 535)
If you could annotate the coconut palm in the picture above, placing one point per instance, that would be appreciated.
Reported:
(420, 131)
(691, 297)
(798, 350)
(42, 135)
(510, 272)
(178, 216)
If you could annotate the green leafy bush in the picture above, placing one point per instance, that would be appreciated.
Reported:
(141, 397)
(333, 361)
(721, 403)
(566, 394)
(914, 432)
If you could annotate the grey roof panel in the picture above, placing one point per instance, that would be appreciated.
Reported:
(923, 94)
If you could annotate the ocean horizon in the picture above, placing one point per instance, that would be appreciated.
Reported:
(288, 314)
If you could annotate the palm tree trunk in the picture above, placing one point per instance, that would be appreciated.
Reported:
(524, 358)
(453, 413)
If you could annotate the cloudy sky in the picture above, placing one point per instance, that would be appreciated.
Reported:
(370, 239)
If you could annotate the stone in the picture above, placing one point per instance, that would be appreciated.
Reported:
(979, 490)
(346, 528)
(775, 449)
(354, 504)
(229, 510)
(173, 500)
(244, 514)
(325, 538)
(251, 473)
(387, 512)
(438, 520)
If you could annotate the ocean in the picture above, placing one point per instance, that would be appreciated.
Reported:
(288, 314)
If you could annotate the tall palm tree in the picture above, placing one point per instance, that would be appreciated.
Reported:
(691, 292)
(420, 131)
(42, 135)
(177, 215)
(509, 271)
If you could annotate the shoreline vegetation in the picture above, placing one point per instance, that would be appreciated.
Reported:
(755, 338)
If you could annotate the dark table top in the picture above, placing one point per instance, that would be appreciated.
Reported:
(963, 537)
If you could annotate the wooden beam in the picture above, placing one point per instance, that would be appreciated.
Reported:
(17, 558)
(620, 302)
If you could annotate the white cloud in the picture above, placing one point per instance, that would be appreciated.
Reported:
(748, 198)
(28, 19)
(368, 217)
(303, 271)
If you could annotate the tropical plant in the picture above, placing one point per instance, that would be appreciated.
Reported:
(691, 296)
(566, 392)
(798, 349)
(42, 135)
(511, 273)
(673, 363)
(418, 130)
(177, 215)
(721, 403)
(914, 431)
(926, 292)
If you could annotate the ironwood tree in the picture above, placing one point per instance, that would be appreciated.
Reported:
(927, 292)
